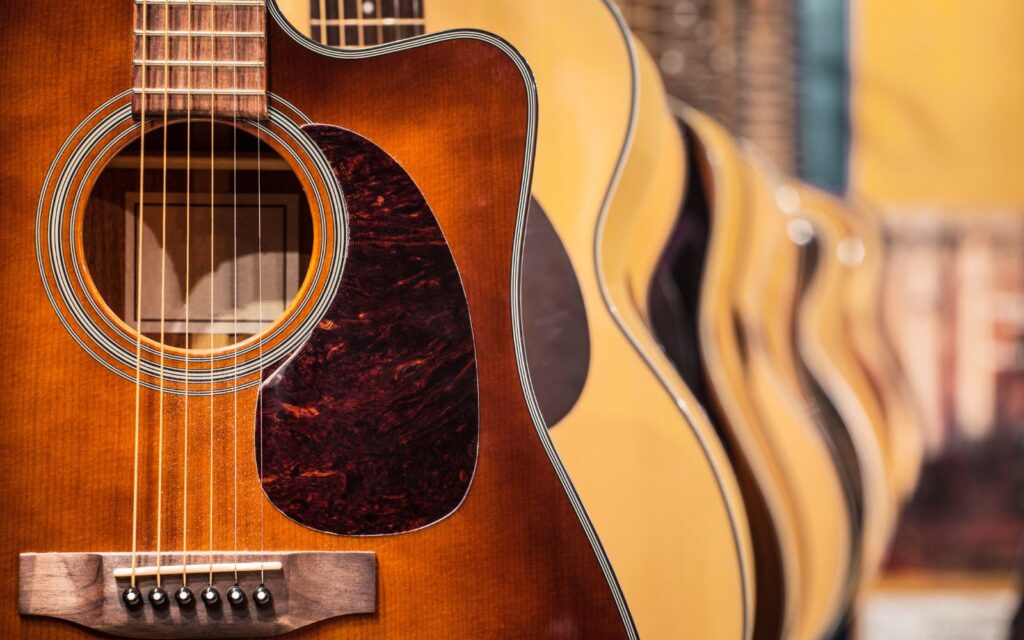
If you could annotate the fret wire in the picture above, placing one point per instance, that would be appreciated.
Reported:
(202, 34)
(159, 91)
(354, 21)
(255, 64)
(218, 3)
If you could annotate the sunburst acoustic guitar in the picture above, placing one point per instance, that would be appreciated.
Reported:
(261, 339)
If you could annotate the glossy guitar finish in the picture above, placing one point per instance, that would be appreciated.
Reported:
(706, 291)
(825, 348)
(513, 560)
(825, 493)
(384, 392)
(686, 453)
(646, 463)
(864, 253)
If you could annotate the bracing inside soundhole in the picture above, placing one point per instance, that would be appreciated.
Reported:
(216, 246)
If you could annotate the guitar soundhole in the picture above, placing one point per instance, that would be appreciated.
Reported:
(203, 286)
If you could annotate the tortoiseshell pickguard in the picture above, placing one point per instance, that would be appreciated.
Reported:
(372, 426)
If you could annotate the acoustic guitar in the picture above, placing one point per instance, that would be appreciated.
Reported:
(649, 470)
(825, 348)
(720, 319)
(262, 338)
(863, 251)
(813, 442)
(688, 297)
(818, 274)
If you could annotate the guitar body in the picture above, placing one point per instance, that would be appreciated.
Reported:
(866, 252)
(641, 454)
(824, 346)
(825, 492)
(646, 398)
(692, 301)
(429, 148)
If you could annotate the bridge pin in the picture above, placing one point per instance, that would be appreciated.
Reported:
(236, 596)
(210, 596)
(183, 596)
(132, 597)
(261, 596)
(158, 597)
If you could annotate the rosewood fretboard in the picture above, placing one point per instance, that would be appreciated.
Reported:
(200, 55)
(364, 23)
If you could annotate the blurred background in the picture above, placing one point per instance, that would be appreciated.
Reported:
(916, 109)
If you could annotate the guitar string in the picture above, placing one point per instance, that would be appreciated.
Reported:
(234, 182)
(138, 293)
(163, 297)
(359, 22)
(380, 25)
(323, 24)
(188, 286)
(259, 269)
(398, 15)
(213, 263)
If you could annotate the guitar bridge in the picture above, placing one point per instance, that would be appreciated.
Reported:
(89, 589)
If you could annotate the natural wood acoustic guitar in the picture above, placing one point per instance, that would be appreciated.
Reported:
(688, 294)
(263, 343)
(714, 288)
(826, 349)
(863, 250)
(650, 471)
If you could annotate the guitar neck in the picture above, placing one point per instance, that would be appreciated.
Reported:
(203, 57)
(364, 23)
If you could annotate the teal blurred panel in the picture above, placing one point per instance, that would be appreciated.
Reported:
(823, 92)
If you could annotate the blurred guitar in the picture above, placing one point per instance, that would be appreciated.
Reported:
(712, 314)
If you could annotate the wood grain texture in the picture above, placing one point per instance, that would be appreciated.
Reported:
(513, 561)
(310, 588)
(372, 426)
(200, 73)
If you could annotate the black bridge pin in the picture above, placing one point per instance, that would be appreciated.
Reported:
(261, 596)
(183, 596)
(236, 597)
(210, 596)
(132, 597)
(158, 597)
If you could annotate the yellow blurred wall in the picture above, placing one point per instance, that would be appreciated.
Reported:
(937, 102)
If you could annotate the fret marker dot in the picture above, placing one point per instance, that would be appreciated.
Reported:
(368, 7)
